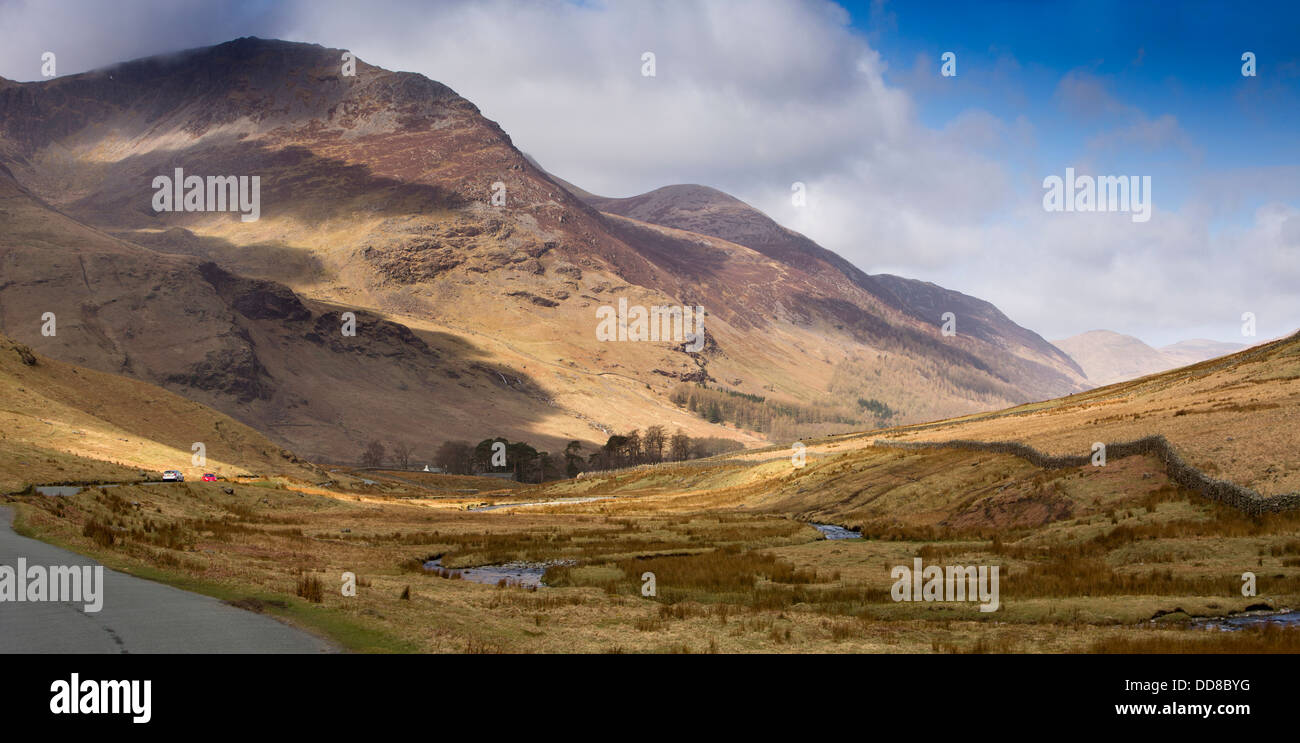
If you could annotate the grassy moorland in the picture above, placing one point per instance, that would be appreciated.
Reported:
(1092, 559)
(727, 580)
(1231, 417)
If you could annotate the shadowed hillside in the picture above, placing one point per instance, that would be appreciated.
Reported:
(63, 423)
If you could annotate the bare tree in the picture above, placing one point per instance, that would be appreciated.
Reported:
(653, 444)
(373, 455)
(699, 448)
(679, 446)
(402, 454)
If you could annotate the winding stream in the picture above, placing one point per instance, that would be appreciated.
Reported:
(1242, 621)
(538, 503)
(836, 532)
(522, 574)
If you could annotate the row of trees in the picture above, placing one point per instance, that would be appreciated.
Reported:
(656, 445)
(499, 455)
(375, 454)
(754, 412)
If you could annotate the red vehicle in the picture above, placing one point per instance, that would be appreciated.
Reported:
(209, 477)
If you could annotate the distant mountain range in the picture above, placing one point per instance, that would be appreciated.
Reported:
(1107, 357)
(475, 317)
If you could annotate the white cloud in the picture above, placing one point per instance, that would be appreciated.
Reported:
(86, 34)
(744, 91)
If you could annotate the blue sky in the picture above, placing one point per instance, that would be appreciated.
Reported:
(905, 171)
(1180, 59)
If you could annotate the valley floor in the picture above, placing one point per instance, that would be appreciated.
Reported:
(1104, 556)
(1088, 561)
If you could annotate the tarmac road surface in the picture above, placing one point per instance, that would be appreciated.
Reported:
(138, 615)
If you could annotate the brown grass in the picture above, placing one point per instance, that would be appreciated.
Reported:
(310, 588)
(1266, 639)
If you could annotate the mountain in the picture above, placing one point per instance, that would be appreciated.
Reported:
(1107, 357)
(248, 347)
(1197, 350)
(474, 275)
(708, 211)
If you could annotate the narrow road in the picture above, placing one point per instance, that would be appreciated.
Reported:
(138, 616)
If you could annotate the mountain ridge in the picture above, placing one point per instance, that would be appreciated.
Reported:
(687, 207)
(377, 197)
